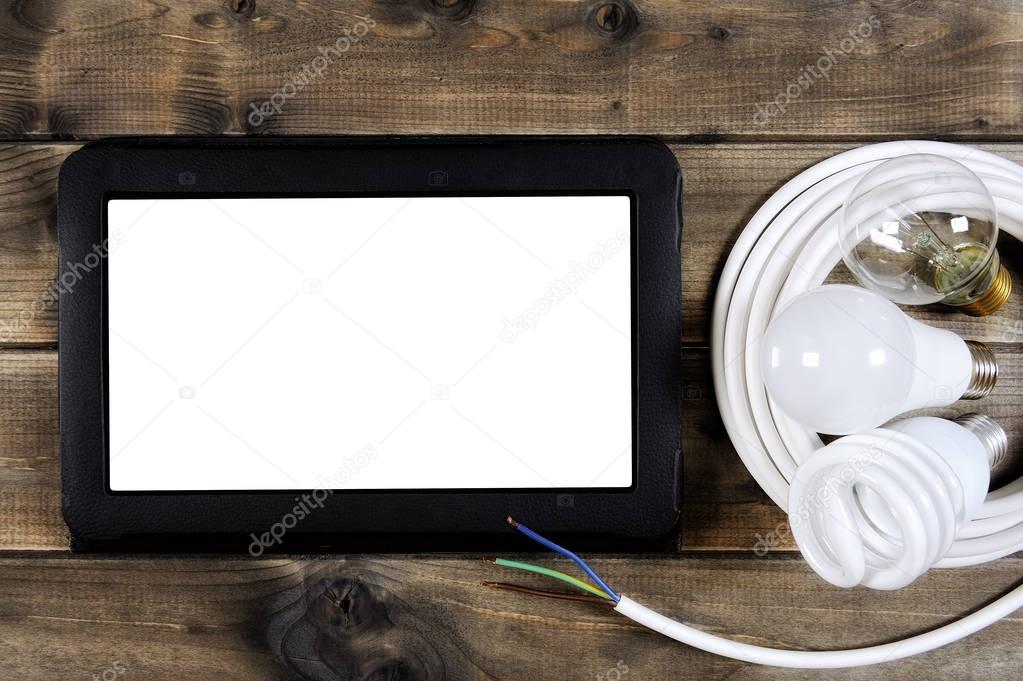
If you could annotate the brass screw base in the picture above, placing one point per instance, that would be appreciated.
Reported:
(993, 299)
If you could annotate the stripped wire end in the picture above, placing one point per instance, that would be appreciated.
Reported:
(559, 595)
(547, 543)
(541, 570)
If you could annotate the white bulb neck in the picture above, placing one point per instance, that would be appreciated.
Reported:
(944, 367)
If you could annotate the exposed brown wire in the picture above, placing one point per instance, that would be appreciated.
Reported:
(561, 595)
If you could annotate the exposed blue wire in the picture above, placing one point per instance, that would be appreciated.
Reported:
(543, 541)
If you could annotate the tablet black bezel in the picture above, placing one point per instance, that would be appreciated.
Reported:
(640, 168)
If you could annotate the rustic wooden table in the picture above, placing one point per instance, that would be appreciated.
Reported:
(747, 94)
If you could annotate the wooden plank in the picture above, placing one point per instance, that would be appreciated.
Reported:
(724, 185)
(723, 510)
(425, 617)
(29, 452)
(79, 70)
(28, 242)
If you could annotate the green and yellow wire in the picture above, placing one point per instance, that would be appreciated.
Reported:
(548, 572)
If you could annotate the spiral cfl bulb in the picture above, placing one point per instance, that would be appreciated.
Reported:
(880, 508)
(840, 359)
(922, 229)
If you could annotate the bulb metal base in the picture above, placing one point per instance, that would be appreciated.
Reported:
(990, 433)
(993, 298)
(984, 373)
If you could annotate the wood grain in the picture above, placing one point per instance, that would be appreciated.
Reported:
(29, 452)
(724, 509)
(724, 185)
(700, 74)
(425, 617)
(28, 242)
(858, 70)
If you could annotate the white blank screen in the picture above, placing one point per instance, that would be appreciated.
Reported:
(369, 343)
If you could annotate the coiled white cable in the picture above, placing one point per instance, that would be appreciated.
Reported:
(790, 246)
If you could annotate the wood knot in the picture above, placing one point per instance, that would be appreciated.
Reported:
(347, 627)
(720, 33)
(243, 7)
(455, 10)
(614, 18)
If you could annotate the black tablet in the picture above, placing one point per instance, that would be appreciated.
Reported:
(293, 343)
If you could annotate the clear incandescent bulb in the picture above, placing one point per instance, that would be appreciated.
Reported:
(922, 229)
(841, 359)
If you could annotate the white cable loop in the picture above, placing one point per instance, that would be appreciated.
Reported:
(790, 246)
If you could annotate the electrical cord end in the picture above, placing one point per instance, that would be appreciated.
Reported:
(511, 521)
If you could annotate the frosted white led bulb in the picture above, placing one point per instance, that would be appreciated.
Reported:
(841, 359)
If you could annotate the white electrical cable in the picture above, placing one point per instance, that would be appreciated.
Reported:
(789, 247)
(823, 659)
